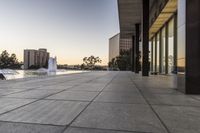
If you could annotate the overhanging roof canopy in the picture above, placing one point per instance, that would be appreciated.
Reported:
(129, 15)
(166, 13)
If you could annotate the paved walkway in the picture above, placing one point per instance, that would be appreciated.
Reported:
(97, 102)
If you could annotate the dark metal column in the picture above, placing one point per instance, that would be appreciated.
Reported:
(137, 52)
(145, 38)
(175, 44)
(133, 54)
(192, 47)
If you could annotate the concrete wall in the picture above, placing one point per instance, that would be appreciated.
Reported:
(114, 46)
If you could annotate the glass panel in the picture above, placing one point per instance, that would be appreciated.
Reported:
(163, 46)
(171, 47)
(158, 51)
(154, 53)
(150, 55)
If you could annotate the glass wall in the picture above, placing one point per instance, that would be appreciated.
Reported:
(154, 54)
(163, 52)
(150, 56)
(171, 46)
(158, 52)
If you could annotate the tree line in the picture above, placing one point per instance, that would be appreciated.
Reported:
(121, 62)
(9, 61)
(89, 63)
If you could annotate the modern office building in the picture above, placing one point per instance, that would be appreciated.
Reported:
(118, 43)
(168, 31)
(114, 46)
(125, 43)
(35, 58)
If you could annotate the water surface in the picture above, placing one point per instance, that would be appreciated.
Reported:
(34, 73)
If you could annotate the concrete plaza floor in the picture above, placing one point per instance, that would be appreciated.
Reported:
(97, 102)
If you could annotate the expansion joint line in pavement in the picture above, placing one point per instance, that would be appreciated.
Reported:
(89, 103)
(36, 88)
(43, 98)
(166, 128)
(113, 130)
(49, 85)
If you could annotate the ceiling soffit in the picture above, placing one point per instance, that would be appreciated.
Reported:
(166, 13)
(129, 15)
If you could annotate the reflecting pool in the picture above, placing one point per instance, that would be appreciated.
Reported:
(17, 74)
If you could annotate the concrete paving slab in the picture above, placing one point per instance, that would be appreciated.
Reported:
(116, 110)
(124, 81)
(7, 104)
(88, 87)
(121, 88)
(6, 127)
(16, 87)
(46, 112)
(182, 100)
(56, 87)
(196, 97)
(26, 86)
(155, 83)
(88, 130)
(160, 91)
(123, 97)
(33, 94)
(180, 119)
(8, 91)
(74, 95)
(129, 117)
(104, 80)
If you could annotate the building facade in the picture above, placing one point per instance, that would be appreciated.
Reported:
(125, 43)
(35, 58)
(168, 32)
(114, 47)
(119, 43)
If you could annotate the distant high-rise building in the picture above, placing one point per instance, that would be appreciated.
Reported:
(125, 43)
(119, 43)
(35, 58)
(114, 46)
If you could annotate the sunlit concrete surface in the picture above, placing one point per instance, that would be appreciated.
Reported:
(97, 102)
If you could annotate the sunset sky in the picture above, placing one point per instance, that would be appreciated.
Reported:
(69, 29)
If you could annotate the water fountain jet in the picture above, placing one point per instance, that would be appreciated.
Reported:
(52, 64)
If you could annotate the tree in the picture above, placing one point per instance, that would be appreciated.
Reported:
(121, 62)
(4, 59)
(91, 61)
(82, 66)
(13, 59)
(113, 64)
(7, 61)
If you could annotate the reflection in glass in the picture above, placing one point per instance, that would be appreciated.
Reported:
(150, 56)
(171, 47)
(154, 55)
(163, 46)
(158, 51)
